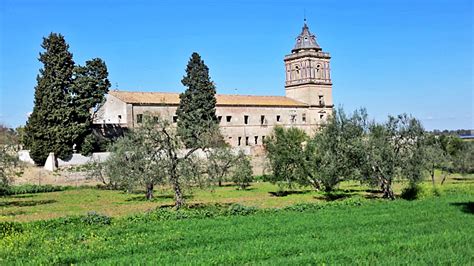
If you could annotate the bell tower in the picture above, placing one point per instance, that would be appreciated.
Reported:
(308, 77)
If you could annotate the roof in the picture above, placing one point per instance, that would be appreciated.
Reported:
(149, 98)
(306, 40)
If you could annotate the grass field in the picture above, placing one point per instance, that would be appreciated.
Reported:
(435, 230)
(351, 228)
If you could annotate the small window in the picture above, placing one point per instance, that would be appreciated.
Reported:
(139, 118)
(262, 119)
(119, 117)
(303, 118)
(293, 118)
(240, 141)
(263, 139)
(228, 118)
(175, 119)
(278, 118)
(219, 118)
(321, 100)
(256, 140)
(246, 119)
(321, 116)
(246, 141)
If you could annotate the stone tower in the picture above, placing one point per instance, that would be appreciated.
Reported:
(308, 78)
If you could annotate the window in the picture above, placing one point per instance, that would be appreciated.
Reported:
(256, 140)
(262, 119)
(297, 68)
(246, 119)
(246, 141)
(321, 100)
(278, 118)
(219, 118)
(228, 118)
(303, 118)
(139, 118)
(240, 140)
(263, 139)
(321, 116)
(293, 118)
(175, 119)
(119, 117)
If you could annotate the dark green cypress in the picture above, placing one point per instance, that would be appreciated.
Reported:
(49, 128)
(197, 108)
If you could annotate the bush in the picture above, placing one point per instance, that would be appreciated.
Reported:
(8, 228)
(28, 189)
(237, 209)
(243, 172)
(93, 218)
(411, 192)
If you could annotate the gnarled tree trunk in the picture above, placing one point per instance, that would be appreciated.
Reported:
(149, 191)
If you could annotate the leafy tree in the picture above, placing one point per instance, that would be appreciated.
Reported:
(49, 127)
(436, 157)
(285, 153)
(220, 161)
(136, 159)
(197, 108)
(9, 163)
(242, 174)
(150, 154)
(334, 152)
(393, 149)
(88, 89)
(64, 98)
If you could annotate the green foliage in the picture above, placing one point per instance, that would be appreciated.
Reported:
(10, 228)
(93, 218)
(286, 156)
(49, 127)
(335, 152)
(64, 96)
(197, 120)
(242, 174)
(9, 163)
(411, 192)
(89, 88)
(393, 149)
(29, 189)
(220, 161)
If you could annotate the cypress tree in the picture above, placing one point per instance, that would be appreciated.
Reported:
(89, 88)
(196, 113)
(49, 128)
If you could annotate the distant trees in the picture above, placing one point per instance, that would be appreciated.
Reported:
(285, 153)
(197, 107)
(349, 148)
(9, 163)
(64, 96)
(242, 174)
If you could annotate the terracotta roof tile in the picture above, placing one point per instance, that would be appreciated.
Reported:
(222, 99)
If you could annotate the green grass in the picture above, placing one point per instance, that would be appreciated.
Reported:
(41, 206)
(434, 230)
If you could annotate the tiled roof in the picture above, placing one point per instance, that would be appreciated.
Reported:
(222, 99)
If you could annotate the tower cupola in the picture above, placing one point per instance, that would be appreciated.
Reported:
(306, 40)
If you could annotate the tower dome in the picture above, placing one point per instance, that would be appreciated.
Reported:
(306, 40)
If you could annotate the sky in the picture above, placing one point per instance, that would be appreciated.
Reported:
(391, 57)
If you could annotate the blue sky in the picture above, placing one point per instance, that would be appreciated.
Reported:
(412, 56)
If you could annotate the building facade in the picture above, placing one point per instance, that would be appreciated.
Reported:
(245, 120)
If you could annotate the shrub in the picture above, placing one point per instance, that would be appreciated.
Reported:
(28, 189)
(93, 218)
(8, 228)
(411, 192)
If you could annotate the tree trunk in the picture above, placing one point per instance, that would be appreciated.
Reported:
(178, 194)
(219, 183)
(444, 178)
(387, 189)
(433, 175)
(149, 191)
